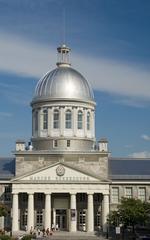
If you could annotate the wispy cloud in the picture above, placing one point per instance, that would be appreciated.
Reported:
(6, 114)
(128, 146)
(144, 154)
(15, 93)
(145, 137)
(26, 58)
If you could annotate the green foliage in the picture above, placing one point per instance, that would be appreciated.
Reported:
(3, 210)
(27, 237)
(5, 237)
(130, 212)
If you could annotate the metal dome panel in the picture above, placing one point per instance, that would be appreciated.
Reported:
(63, 83)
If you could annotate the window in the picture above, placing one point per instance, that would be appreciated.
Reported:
(7, 194)
(45, 119)
(39, 218)
(88, 121)
(82, 219)
(56, 119)
(97, 219)
(128, 192)
(115, 195)
(24, 215)
(68, 143)
(68, 119)
(142, 194)
(55, 143)
(36, 120)
(80, 120)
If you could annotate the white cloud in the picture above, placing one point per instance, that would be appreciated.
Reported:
(22, 57)
(144, 154)
(5, 114)
(145, 137)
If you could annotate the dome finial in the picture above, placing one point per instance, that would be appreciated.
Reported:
(63, 56)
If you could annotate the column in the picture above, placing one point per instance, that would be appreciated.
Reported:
(90, 218)
(30, 221)
(47, 211)
(15, 226)
(105, 211)
(73, 213)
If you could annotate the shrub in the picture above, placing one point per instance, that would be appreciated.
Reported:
(27, 237)
(5, 237)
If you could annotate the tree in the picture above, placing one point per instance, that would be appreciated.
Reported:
(3, 210)
(130, 212)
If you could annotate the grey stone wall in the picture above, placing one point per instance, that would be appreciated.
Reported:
(97, 164)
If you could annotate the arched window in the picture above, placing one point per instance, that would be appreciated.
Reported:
(45, 119)
(56, 119)
(80, 120)
(36, 120)
(88, 120)
(68, 120)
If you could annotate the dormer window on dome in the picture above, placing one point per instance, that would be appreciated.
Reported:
(63, 56)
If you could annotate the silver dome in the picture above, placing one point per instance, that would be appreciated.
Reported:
(63, 83)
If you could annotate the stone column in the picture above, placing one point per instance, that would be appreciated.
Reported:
(47, 211)
(105, 211)
(30, 222)
(90, 217)
(73, 218)
(15, 213)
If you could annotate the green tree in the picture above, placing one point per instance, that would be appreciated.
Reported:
(3, 210)
(130, 212)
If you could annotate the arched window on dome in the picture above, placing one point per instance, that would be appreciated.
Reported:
(68, 119)
(36, 120)
(56, 119)
(88, 120)
(80, 119)
(45, 119)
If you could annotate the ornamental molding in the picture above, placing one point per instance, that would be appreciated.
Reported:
(60, 170)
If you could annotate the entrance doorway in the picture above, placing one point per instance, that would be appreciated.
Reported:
(61, 219)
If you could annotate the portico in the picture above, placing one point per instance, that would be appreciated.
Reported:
(73, 205)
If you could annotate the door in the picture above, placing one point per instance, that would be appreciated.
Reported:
(61, 219)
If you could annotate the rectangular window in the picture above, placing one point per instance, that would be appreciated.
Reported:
(68, 143)
(36, 120)
(115, 195)
(39, 218)
(45, 119)
(7, 194)
(142, 193)
(55, 143)
(128, 192)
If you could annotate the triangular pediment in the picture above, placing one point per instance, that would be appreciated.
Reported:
(58, 172)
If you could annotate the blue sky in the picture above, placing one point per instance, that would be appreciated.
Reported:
(110, 47)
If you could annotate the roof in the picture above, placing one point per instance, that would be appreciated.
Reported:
(129, 168)
(63, 83)
(7, 168)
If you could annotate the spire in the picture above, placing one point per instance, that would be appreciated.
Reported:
(63, 56)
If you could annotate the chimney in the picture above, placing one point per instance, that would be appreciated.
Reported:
(103, 145)
(20, 145)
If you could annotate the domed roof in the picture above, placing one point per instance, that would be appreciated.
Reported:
(63, 82)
